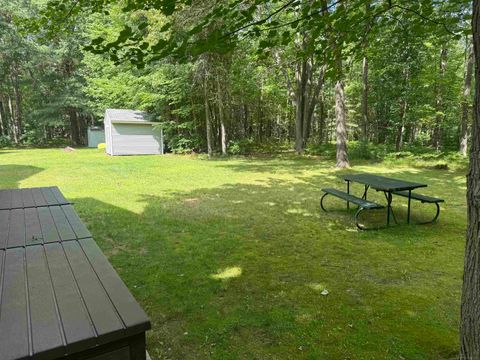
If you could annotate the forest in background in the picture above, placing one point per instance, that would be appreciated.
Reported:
(401, 86)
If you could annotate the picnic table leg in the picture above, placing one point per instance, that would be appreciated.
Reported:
(364, 197)
(389, 197)
(389, 206)
(348, 192)
(409, 200)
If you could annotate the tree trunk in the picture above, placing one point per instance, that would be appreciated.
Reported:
(341, 126)
(221, 114)
(470, 308)
(340, 107)
(13, 129)
(74, 128)
(208, 124)
(401, 127)
(437, 131)
(17, 119)
(365, 99)
(311, 103)
(2, 118)
(300, 75)
(321, 118)
(365, 78)
(466, 100)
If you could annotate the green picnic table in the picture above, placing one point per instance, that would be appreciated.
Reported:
(389, 186)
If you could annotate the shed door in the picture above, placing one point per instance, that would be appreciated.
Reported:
(134, 139)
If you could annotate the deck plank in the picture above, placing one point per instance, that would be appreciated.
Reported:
(38, 197)
(5, 199)
(104, 316)
(77, 224)
(64, 228)
(27, 197)
(16, 232)
(4, 225)
(45, 322)
(59, 196)
(49, 231)
(14, 329)
(33, 231)
(77, 327)
(48, 196)
(127, 307)
(17, 201)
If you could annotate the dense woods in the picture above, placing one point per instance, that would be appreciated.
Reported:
(372, 72)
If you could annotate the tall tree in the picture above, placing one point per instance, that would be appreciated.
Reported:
(340, 107)
(439, 104)
(364, 122)
(470, 308)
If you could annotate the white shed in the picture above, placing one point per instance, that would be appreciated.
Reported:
(128, 132)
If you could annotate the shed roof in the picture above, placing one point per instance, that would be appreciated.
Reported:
(130, 116)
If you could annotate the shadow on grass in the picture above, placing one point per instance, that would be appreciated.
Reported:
(11, 175)
(245, 264)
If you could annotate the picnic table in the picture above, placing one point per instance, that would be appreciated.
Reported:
(385, 184)
(390, 187)
(59, 296)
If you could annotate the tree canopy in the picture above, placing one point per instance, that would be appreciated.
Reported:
(231, 75)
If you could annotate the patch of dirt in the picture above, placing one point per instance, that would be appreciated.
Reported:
(192, 201)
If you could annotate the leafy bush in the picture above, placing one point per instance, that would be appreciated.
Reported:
(5, 141)
(241, 147)
(181, 145)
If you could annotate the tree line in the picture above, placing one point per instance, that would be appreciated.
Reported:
(299, 73)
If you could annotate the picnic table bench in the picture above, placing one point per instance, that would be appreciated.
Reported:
(390, 187)
(59, 296)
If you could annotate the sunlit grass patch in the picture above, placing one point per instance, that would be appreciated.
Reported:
(228, 273)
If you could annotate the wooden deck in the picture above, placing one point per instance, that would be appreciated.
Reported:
(59, 295)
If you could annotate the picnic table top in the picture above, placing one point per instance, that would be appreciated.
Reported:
(383, 183)
(59, 294)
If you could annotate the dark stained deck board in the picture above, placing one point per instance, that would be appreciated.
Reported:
(27, 198)
(48, 196)
(76, 323)
(16, 232)
(105, 318)
(4, 225)
(59, 196)
(49, 230)
(14, 322)
(17, 201)
(45, 322)
(64, 228)
(77, 225)
(5, 199)
(33, 233)
(130, 311)
(38, 197)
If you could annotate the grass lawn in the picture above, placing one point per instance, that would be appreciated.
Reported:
(229, 257)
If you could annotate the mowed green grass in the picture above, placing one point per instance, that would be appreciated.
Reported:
(229, 257)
